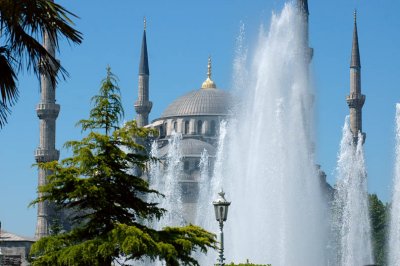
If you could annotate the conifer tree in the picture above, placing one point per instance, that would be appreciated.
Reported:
(107, 201)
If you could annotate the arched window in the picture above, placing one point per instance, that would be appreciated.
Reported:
(186, 127)
(213, 130)
(175, 126)
(161, 131)
(199, 127)
(186, 165)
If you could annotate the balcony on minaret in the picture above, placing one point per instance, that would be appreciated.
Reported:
(355, 100)
(43, 155)
(143, 107)
(47, 110)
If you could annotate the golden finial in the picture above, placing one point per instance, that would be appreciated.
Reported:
(144, 23)
(208, 83)
(209, 67)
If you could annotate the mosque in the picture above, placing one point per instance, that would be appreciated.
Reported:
(196, 116)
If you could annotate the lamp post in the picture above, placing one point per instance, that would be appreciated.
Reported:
(221, 214)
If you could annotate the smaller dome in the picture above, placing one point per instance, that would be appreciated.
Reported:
(191, 147)
(196, 147)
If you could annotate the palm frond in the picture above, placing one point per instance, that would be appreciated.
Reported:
(23, 23)
(8, 87)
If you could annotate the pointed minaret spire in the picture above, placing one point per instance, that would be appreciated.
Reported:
(303, 5)
(144, 61)
(143, 105)
(355, 100)
(355, 53)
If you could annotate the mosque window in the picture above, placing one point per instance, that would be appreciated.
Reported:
(186, 127)
(186, 165)
(199, 127)
(213, 128)
(175, 126)
(161, 131)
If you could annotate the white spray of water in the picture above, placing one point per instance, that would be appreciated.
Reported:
(208, 191)
(165, 177)
(204, 188)
(239, 63)
(267, 167)
(352, 222)
(394, 231)
(154, 171)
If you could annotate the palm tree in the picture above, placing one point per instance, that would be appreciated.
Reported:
(22, 24)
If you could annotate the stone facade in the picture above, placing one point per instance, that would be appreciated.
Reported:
(14, 250)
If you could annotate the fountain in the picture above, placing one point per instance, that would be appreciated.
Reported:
(204, 188)
(394, 229)
(265, 163)
(165, 177)
(208, 189)
(351, 216)
(278, 204)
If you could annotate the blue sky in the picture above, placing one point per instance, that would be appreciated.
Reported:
(181, 34)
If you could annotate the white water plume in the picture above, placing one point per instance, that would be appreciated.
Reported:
(204, 188)
(208, 191)
(165, 177)
(394, 230)
(352, 223)
(265, 158)
(268, 170)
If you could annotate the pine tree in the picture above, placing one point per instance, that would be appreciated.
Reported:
(107, 201)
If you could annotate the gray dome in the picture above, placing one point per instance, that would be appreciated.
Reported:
(196, 147)
(191, 147)
(199, 102)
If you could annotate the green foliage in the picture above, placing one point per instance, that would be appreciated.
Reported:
(107, 201)
(107, 110)
(22, 23)
(379, 226)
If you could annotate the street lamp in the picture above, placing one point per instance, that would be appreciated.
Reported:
(221, 214)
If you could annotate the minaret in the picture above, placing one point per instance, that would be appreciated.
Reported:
(355, 100)
(143, 105)
(302, 5)
(47, 111)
